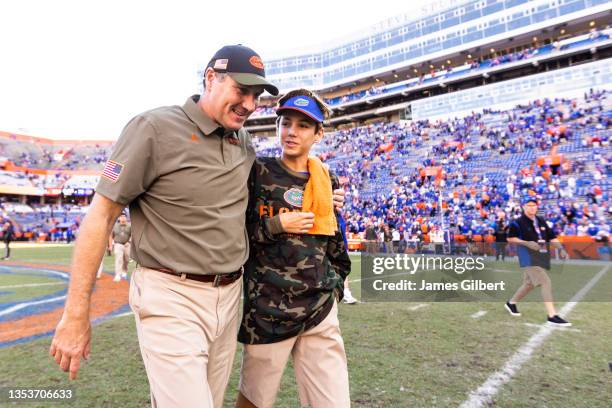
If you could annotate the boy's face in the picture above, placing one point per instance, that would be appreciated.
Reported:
(297, 133)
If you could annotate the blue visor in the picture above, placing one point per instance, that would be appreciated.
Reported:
(303, 104)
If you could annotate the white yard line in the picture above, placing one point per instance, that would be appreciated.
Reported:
(483, 395)
(478, 314)
(538, 326)
(124, 314)
(30, 285)
(20, 306)
(417, 307)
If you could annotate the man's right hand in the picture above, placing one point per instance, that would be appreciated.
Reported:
(72, 340)
(297, 222)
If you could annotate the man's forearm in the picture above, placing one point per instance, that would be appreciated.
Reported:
(88, 252)
(518, 241)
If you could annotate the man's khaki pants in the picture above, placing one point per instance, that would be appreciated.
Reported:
(122, 257)
(187, 333)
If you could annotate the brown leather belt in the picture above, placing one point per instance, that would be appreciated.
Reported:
(217, 280)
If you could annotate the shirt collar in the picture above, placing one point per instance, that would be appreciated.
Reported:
(206, 124)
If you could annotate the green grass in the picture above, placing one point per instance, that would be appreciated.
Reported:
(12, 287)
(433, 356)
(27, 293)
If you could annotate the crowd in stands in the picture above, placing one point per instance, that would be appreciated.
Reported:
(55, 223)
(463, 174)
(40, 155)
(459, 175)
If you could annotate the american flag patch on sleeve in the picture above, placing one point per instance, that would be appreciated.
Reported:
(112, 170)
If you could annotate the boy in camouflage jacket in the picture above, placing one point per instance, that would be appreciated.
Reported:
(293, 280)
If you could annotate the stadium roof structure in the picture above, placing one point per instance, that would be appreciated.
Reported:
(381, 77)
(471, 25)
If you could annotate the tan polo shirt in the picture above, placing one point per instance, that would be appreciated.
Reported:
(186, 185)
(121, 233)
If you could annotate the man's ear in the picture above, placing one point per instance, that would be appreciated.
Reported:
(209, 76)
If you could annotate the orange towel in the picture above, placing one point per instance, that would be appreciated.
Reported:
(318, 199)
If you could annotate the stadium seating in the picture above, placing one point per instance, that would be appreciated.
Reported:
(403, 173)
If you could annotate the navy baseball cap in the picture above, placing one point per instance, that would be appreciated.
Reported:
(303, 104)
(529, 199)
(242, 64)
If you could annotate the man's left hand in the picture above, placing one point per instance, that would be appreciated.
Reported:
(339, 198)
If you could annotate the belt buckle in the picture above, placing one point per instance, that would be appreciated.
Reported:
(217, 281)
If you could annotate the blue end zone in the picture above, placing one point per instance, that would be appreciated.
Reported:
(121, 310)
(19, 309)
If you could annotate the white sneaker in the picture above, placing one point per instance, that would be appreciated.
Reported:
(117, 278)
(124, 276)
(348, 297)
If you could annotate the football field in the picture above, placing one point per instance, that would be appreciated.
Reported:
(400, 354)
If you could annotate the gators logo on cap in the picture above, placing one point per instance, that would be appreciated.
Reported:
(256, 62)
(301, 102)
(294, 197)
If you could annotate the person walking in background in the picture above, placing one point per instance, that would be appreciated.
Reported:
(8, 234)
(501, 236)
(532, 236)
(119, 243)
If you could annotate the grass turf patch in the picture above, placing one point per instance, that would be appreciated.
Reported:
(398, 357)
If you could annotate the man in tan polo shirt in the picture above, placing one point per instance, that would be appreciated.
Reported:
(183, 171)
(119, 243)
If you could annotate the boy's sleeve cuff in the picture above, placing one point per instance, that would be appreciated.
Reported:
(274, 225)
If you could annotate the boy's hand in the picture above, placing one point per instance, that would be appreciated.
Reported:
(297, 222)
(339, 198)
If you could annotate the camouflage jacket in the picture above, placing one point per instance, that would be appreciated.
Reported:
(290, 280)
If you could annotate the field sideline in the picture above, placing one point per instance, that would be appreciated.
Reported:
(400, 354)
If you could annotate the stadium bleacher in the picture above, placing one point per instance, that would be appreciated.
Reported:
(481, 164)
(480, 156)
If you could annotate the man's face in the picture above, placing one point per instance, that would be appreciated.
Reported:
(122, 219)
(531, 208)
(230, 103)
(297, 133)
